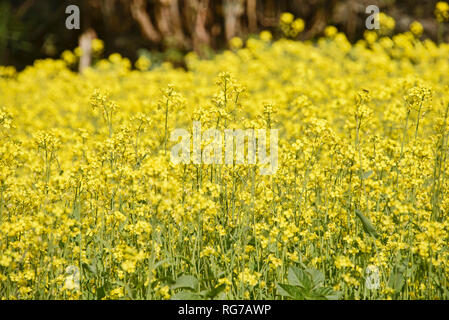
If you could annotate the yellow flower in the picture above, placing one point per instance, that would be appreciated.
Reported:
(387, 24)
(129, 266)
(249, 278)
(350, 280)
(226, 282)
(265, 36)
(416, 28)
(343, 262)
(298, 25)
(274, 262)
(287, 18)
(165, 292)
(5, 261)
(117, 293)
(330, 31)
(442, 11)
(78, 52)
(236, 43)
(68, 57)
(207, 252)
(143, 63)
(370, 36)
(97, 46)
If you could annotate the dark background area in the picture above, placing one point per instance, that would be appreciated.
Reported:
(32, 29)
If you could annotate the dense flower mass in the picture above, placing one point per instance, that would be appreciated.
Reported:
(92, 208)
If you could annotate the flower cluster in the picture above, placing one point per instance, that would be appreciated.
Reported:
(442, 11)
(290, 26)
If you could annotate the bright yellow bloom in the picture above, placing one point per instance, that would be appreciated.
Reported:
(442, 11)
(416, 28)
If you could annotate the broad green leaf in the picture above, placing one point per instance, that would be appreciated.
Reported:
(186, 282)
(290, 291)
(90, 268)
(317, 277)
(186, 295)
(396, 280)
(368, 226)
(298, 277)
(100, 293)
(212, 293)
(327, 293)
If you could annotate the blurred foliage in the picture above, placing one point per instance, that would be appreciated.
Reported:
(166, 29)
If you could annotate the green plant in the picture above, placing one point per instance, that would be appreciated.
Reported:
(307, 284)
(190, 286)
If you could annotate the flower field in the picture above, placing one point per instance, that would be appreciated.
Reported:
(91, 206)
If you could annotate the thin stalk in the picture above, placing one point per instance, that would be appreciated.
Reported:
(405, 132)
(417, 121)
(166, 125)
(1, 201)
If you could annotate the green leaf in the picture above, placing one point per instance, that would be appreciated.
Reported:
(327, 293)
(186, 295)
(306, 285)
(157, 265)
(272, 247)
(186, 282)
(212, 293)
(367, 174)
(298, 277)
(396, 280)
(100, 292)
(290, 291)
(367, 225)
(317, 277)
(90, 268)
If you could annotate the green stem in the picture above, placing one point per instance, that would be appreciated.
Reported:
(1, 201)
(417, 121)
(440, 32)
(166, 125)
(405, 132)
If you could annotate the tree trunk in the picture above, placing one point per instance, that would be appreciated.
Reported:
(139, 13)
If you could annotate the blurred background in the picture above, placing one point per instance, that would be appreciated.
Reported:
(167, 29)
